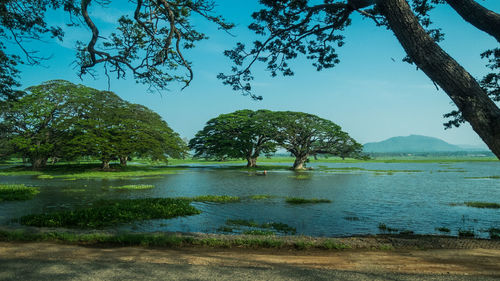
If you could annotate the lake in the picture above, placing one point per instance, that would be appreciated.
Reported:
(404, 196)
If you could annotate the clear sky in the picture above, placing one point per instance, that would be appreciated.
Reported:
(372, 94)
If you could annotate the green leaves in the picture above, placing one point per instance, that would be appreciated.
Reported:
(247, 134)
(63, 120)
(241, 134)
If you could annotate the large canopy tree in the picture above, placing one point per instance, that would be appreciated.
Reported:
(305, 135)
(294, 27)
(37, 123)
(242, 134)
(149, 43)
(59, 119)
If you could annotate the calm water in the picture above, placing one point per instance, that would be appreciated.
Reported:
(417, 201)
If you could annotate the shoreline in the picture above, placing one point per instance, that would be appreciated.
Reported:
(381, 242)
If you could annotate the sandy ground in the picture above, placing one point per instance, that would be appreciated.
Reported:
(51, 261)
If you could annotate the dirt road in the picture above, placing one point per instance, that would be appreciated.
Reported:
(50, 261)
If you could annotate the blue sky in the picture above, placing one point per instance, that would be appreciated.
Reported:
(371, 93)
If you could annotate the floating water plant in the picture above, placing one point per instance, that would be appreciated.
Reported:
(16, 192)
(133, 187)
(384, 228)
(112, 212)
(261, 197)
(258, 232)
(494, 233)
(466, 233)
(297, 201)
(443, 229)
(45, 177)
(480, 178)
(483, 205)
(276, 226)
(213, 198)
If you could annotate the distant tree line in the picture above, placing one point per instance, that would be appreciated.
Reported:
(59, 120)
(248, 134)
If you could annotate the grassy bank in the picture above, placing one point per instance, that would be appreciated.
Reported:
(112, 212)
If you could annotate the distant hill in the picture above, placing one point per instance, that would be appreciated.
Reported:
(411, 144)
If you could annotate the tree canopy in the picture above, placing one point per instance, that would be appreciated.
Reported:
(305, 135)
(61, 120)
(242, 134)
(246, 134)
(150, 40)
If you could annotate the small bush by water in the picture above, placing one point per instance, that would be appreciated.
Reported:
(112, 212)
(15, 192)
(296, 200)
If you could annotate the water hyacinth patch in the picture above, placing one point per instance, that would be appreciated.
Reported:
(112, 212)
(15, 192)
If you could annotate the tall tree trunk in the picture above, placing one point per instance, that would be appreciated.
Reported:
(38, 162)
(123, 161)
(299, 163)
(105, 164)
(476, 107)
(251, 161)
(477, 15)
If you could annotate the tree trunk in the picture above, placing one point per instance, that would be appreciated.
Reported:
(105, 164)
(476, 107)
(477, 15)
(38, 162)
(299, 163)
(123, 161)
(251, 161)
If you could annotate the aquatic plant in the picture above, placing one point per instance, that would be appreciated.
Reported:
(17, 192)
(488, 177)
(351, 218)
(45, 177)
(261, 197)
(133, 187)
(494, 233)
(276, 226)
(384, 228)
(443, 229)
(482, 205)
(466, 233)
(297, 200)
(112, 212)
(242, 222)
(258, 232)
(213, 198)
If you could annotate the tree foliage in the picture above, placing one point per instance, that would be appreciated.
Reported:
(61, 120)
(148, 43)
(246, 134)
(305, 135)
(290, 28)
(150, 40)
(242, 134)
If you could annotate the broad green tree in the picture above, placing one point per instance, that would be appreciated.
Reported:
(143, 133)
(242, 134)
(37, 121)
(58, 119)
(305, 135)
(151, 39)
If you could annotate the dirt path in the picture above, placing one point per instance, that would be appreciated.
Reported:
(50, 261)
